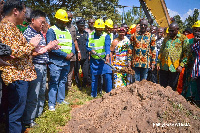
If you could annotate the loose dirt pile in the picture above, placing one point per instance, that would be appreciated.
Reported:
(140, 107)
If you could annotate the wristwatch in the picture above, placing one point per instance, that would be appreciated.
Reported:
(79, 51)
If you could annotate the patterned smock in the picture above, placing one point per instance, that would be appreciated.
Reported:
(121, 58)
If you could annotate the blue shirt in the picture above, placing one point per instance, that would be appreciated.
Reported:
(98, 66)
(57, 57)
(28, 34)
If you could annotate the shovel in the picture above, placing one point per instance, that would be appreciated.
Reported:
(112, 67)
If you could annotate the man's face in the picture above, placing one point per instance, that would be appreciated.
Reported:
(70, 16)
(143, 25)
(173, 31)
(38, 23)
(108, 30)
(20, 16)
(160, 33)
(153, 29)
(91, 23)
(61, 23)
(186, 32)
(196, 32)
(115, 27)
(99, 31)
(81, 27)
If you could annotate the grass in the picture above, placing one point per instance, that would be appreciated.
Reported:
(51, 121)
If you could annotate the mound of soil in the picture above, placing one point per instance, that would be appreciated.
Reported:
(140, 107)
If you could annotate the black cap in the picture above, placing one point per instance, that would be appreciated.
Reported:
(81, 21)
(189, 30)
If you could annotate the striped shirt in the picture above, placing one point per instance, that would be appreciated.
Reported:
(196, 66)
(28, 34)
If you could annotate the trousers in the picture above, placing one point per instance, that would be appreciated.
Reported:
(58, 79)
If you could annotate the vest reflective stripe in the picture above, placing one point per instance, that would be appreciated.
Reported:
(66, 47)
(97, 48)
(100, 54)
(98, 45)
(64, 38)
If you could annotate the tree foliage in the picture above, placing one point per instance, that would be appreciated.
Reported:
(84, 8)
(180, 22)
(192, 19)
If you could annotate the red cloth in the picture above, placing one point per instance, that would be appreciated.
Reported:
(190, 36)
(180, 82)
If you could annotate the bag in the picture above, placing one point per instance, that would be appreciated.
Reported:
(5, 50)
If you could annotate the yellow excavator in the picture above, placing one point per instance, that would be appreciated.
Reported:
(159, 11)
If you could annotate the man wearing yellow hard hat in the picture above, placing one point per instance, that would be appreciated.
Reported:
(109, 28)
(59, 60)
(193, 70)
(99, 46)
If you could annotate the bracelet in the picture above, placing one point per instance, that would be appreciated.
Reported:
(79, 51)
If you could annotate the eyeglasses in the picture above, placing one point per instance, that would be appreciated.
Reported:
(91, 22)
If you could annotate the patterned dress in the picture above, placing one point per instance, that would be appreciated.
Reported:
(121, 58)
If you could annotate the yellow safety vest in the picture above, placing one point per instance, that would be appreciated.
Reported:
(64, 38)
(98, 45)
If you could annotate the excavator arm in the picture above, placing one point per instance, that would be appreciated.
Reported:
(159, 11)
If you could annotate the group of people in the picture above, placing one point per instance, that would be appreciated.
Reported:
(28, 52)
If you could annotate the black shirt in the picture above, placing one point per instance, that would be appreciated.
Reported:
(82, 39)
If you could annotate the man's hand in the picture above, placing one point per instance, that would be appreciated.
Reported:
(179, 69)
(107, 58)
(152, 67)
(93, 52)
(53, 45)
(69, 56)
(42, 50)
(129, 64)
(35, 40)
(79, 56)
(4, 59)
(158, 68)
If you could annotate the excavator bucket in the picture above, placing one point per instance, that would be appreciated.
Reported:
(159, 11)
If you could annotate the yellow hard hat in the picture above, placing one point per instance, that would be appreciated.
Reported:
(132, 26)
(99, 24)
(62, 15)
(109, 23)
(196, 24)
(167, 30)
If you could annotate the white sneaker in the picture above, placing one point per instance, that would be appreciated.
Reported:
(52, 108)
(65, 102)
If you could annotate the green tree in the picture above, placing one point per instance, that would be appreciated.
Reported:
(85, 8)
(191, 19)
(180, 23)
(132, 16)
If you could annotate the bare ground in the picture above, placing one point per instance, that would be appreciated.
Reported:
(140, 107)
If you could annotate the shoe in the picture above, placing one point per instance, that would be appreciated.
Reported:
(52, 108)
(65, 102)
(33, 124)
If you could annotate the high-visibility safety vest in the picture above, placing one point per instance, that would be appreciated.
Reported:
(64, 38)
(98, 45)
